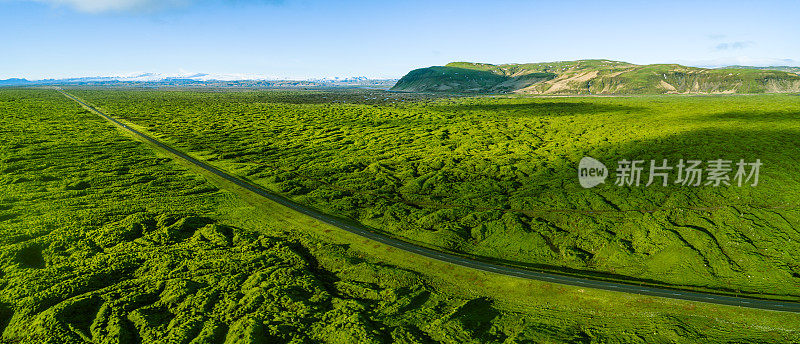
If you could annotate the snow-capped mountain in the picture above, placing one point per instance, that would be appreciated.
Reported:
(200, 79)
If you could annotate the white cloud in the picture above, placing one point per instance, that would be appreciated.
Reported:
(100, 6)
(140, 6)
(734, 45)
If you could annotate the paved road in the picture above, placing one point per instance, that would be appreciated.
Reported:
(459, 260)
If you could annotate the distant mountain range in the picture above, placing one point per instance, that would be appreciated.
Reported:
(790, 69)
(201, 79)
(555, 78)
(598, 77)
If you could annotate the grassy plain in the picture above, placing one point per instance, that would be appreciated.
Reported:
(106, 240)
(496, 176)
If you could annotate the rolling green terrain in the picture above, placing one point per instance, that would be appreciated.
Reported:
(496, 177)
(106, 240)
(595, 77)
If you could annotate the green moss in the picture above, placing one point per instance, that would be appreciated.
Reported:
(135, 258)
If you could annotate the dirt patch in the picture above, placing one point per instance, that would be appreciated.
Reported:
(665, 85)
(564, 84)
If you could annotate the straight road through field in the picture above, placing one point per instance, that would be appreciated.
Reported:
(360, 230)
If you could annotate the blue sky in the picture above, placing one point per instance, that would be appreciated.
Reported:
(310, 39)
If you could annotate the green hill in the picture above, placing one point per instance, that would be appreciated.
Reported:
(594, 77)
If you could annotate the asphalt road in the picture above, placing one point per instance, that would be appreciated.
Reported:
(355, 228)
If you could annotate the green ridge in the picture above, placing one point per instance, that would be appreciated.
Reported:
(597, 77)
